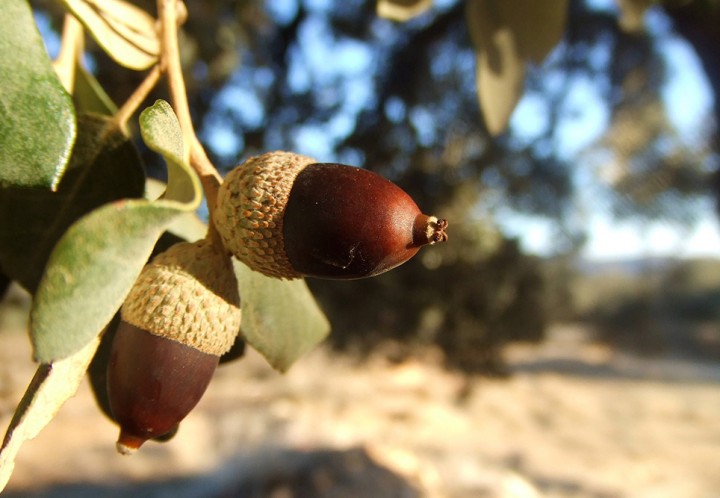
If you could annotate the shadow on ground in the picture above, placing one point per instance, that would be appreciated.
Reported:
(284, 473)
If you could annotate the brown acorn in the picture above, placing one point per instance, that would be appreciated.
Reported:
(288, 216)
(181, 315)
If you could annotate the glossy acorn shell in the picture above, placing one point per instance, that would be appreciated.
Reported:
(288, 216)
(346, 222)
(153, 383)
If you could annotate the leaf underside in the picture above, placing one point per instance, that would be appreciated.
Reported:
(51, 386)
(507, 36)
(125, 32)
(280, 318)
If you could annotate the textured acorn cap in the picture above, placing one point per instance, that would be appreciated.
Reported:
(188, 294)
(250, 210)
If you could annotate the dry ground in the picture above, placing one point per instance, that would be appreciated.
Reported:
(574, 420)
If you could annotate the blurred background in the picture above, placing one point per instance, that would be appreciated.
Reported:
(564, 342)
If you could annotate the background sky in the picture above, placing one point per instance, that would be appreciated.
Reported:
(346, 66)
(687, 97)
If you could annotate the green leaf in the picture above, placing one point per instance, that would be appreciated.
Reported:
(500, 69)
(105, 167)
(507, 36)
(51, 386)
(90, 272)
(127, 33)
(96, 262)
(280, 318)
(161, 132)
(90, 96)
(37, 119)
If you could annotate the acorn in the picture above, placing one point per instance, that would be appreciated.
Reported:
(181, 315)
(288, 216)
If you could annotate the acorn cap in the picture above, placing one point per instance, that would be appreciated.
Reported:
(188, 294)
(250, 209)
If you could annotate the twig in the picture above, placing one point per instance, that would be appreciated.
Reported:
(194, 151)
(170, 53)
(123, 115)
(70, 49)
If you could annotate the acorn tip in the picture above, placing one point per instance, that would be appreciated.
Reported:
(127, 444)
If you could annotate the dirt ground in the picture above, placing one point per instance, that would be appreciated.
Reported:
(573, 420)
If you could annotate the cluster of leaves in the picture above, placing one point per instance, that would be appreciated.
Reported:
(76, 226)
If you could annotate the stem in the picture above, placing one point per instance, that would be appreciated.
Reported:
(70, 49)
(195, 153)
(123, 115)
(209, 176)
(167, 10)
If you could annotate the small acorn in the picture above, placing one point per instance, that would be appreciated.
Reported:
(181, 315)
(288, 216)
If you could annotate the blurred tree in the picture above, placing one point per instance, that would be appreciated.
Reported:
(335, 81)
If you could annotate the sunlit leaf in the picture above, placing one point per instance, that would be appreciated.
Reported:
(499, 90)
(281, 318)
(37, 118)
(105, 166)
(537, 26)
(126, 32)
(632, 14)
(507, 36)
(96, 262)
(161, 132)
(52, 385)
(402, 10)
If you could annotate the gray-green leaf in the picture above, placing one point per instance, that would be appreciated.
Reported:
(280, 318)
(90, 272)
(507, 36)
(90, 96)
(161, 132)
(37, 118)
